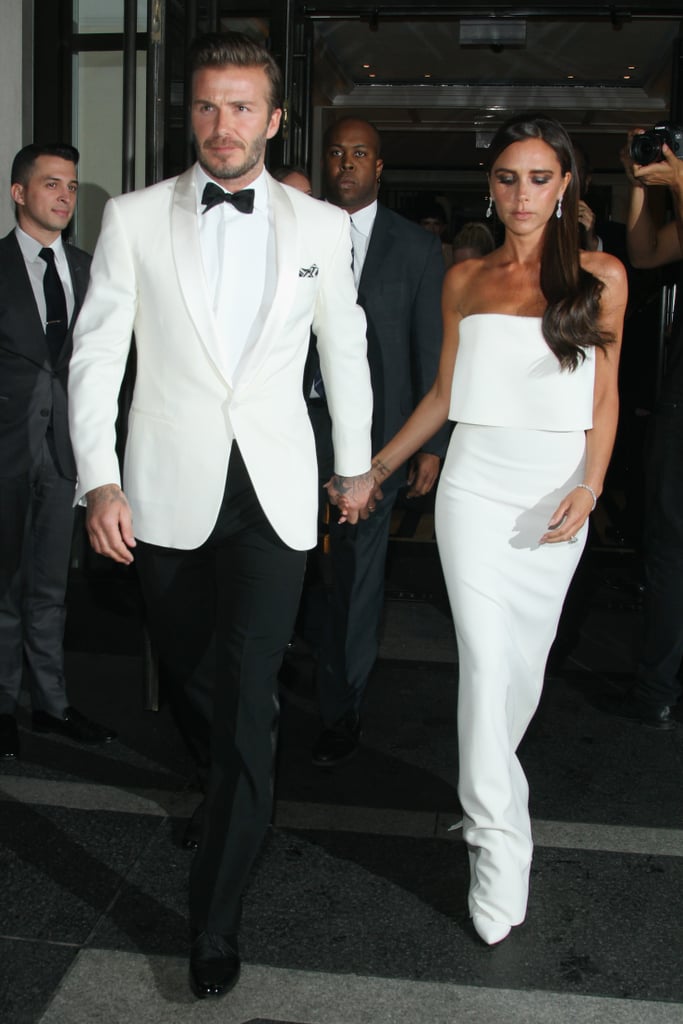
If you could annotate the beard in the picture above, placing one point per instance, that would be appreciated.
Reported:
(224, 168)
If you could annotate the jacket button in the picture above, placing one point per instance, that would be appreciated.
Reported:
(44, 412)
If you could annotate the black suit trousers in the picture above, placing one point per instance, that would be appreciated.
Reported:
(356, 604)
(221, 617)
(358, 553)
(36, 528)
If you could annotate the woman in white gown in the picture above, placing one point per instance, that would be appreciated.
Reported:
(529, 373)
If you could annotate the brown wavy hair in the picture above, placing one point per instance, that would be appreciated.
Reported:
(570, 321)
(235, 49)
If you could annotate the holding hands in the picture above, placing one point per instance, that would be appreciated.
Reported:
(345, 491)
(354, 496)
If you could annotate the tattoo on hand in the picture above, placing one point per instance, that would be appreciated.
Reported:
(108, 494)
(349, 486)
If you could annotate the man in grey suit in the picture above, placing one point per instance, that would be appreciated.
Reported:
(399, 270)
(42, 285)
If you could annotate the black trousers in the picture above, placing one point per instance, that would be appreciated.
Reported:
(358, 554)
(36, 528)
(221, 617)
(662, 643)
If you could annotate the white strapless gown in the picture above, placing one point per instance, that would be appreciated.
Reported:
(517, 448)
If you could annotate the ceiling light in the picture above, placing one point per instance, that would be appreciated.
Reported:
(492, 32)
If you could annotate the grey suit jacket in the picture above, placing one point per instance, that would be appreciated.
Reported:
(33, 392)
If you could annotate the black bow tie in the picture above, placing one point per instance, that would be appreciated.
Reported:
(214, 194)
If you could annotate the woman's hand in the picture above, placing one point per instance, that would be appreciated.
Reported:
(569, 517)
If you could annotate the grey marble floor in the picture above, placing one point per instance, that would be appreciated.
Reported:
(356, 909)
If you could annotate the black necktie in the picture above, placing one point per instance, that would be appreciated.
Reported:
(214, 194)
(55, 305)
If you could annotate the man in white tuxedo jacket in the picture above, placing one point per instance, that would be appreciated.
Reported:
(220, 473)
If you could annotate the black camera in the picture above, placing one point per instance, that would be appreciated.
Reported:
(647, 147)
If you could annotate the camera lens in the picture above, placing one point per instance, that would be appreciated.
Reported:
(646, 149)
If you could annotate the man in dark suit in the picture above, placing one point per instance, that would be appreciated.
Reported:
(42, 285)
(399, 270)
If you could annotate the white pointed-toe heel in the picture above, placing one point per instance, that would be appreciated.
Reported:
(492, 932)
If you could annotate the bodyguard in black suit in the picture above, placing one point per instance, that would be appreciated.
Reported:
(42, 285)
(399, 273)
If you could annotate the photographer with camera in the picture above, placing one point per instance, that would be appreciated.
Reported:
(655, 158)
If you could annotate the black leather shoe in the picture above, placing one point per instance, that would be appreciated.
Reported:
(74, 725)
(193, 829)
(214, 964)
(9, 738)
(338, 743)
(629, 708)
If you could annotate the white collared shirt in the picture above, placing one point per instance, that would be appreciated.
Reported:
(238, 257)
(35, 266)
(362, 223)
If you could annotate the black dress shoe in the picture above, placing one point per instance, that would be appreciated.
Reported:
(74, 725)
(629, 708)
(9, 738)
(338, 743)
(214, 964)
(193, 829)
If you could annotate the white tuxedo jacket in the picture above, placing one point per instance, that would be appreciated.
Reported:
(147, 277)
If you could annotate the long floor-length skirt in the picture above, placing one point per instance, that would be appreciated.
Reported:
(498, 490)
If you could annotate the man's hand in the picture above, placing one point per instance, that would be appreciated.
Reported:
(423, 473)
(109, 523)
(668, 171)
(355, 496)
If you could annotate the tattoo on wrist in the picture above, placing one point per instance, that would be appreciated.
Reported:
(347, 485)
(104, 495)
(381, 468)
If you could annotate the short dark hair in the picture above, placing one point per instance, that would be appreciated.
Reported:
(432, 211)
(331, 128)
(221, 49)
(280, 173)
(475, 235)
(23, 163)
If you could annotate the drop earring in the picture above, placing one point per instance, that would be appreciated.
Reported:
(558, 211)
(489, 208)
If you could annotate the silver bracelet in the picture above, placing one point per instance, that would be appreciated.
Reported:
(593, 495)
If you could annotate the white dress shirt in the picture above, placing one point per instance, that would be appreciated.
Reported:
(35, 266)
(238, 257)
(362, 223)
